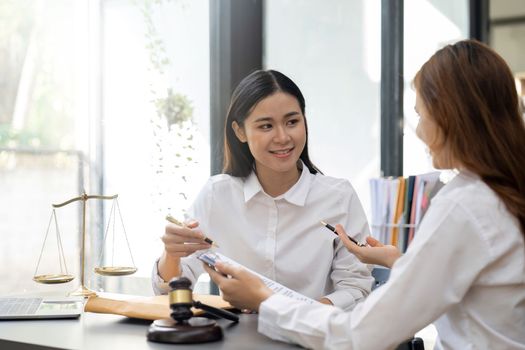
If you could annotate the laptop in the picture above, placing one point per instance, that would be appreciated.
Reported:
(12, 308)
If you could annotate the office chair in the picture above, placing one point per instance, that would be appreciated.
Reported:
(381, 275)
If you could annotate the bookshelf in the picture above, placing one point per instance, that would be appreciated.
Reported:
(398, 205)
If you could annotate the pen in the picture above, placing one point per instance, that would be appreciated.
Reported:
(177, 222)
(331, 228)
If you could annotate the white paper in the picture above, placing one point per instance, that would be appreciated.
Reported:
(211, 257)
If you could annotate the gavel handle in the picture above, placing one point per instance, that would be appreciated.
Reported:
(215, 311)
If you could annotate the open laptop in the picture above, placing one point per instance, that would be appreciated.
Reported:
(40, 307)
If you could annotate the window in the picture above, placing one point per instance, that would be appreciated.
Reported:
(43, 138)
(155, 116)
(507, 37)
(421, 40)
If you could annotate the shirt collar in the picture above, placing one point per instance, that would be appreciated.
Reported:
(252, 186)
(296, 194)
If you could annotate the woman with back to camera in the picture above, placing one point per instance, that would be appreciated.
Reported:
(264, 211)
(465, 269)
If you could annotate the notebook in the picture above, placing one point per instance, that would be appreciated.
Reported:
(35, 307)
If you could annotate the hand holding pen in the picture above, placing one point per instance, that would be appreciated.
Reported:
(181, 240)
(334, 230)
(374, 252)
(177, 222)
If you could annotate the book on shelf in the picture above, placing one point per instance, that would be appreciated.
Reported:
(398, 211)
(409, 194)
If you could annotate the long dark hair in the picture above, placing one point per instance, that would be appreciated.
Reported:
(469, 91)
(238, 160)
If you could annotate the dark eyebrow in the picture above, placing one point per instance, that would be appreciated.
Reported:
(267, 119)
(291, 114)
(263, 119)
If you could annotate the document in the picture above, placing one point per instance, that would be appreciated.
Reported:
(147, 308)
(210, 258)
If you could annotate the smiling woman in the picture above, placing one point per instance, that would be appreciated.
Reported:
(276, 135)
(261, 100)
(264, 211)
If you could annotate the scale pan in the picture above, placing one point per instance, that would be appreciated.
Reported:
(115, 270)
(53, 278)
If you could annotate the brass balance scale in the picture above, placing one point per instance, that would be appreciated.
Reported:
(64, 276)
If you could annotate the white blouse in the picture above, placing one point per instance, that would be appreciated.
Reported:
(281, 237)
(465, 269)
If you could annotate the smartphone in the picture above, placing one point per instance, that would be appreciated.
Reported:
(209, 258)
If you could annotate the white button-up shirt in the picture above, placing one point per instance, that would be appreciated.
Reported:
(465, 268)
(281, 237)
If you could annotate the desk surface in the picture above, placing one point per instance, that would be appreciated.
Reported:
(104, 331)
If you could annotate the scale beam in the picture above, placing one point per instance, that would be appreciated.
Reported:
(84, 197)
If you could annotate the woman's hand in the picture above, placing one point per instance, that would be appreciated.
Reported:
(374, 253)
(181, 241)
(239, 287)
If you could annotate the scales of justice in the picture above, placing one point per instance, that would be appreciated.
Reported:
(64, 276)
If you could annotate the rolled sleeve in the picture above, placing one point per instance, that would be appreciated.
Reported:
(159, 285)
(352, 280)
(191, 268)
(345, 299)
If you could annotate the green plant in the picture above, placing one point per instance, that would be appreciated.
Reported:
(175, 108)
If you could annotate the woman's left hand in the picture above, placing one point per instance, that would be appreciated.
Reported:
(373, 253)
(239, 287)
